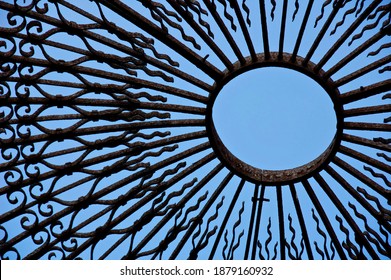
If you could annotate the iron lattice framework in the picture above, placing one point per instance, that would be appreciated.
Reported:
(109, 150)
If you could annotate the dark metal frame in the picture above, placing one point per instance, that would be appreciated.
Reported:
(159, 191)
(275, 177)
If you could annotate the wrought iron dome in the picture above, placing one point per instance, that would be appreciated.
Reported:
(109, 148)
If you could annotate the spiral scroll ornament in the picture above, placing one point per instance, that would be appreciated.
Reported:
(109, 148)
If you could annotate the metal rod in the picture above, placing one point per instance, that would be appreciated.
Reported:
(128, 13)
(282, 31)
(352, 55)
(346, 34)
(226, 218)
(322, 32)
(326, 221)
(300, 216)
(265, 33)
(281, 221)
(365, 142)
(108, 190)
(360, 176)
(202, 213)
(207, 39)
(362, 71)
(302, 30)
(365, 159)
(212, 9)
(258, 221)
(243, 26)
(365, 92)
(254, 201)
(358, 233)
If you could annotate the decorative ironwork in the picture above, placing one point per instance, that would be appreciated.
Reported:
(108, 147)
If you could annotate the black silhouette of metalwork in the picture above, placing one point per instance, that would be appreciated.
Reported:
(108, 147)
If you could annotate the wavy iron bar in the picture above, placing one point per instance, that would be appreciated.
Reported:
(109, 150)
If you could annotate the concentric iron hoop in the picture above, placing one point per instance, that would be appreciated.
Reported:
(275, 177)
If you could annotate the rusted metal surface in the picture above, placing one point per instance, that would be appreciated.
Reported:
(109, 149)
(273, 177)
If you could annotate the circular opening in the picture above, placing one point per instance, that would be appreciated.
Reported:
(274, 118)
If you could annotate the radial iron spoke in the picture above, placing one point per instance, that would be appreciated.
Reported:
(138, 83)
(336, 7)
(282, 32)
(302, 29)
(260, 200)
(281, 221)
(371, 210)
(125, 198)
(212, 9)
(352, 55)
(367, 111)
(109, 43)
(143, 23)
(208, 40)
(97, 38)
(109, 189)
(99, 103)
(107, 157)
(226, 217)
(151, 196)
(213, 198)
(109, 148)
(359, 234)
(301, 221)
(365, 159)
(254, 201)
(243, 26)
(178, 206)
(359, 175)
(362, 71)
(61, 134)
(201, 214)
(367, 126)
(265, 33)
(365, 92)
(326, 221)
(347, 33)
(366, 142)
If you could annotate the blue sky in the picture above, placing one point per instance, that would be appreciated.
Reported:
(270, 118)
(275, 118)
